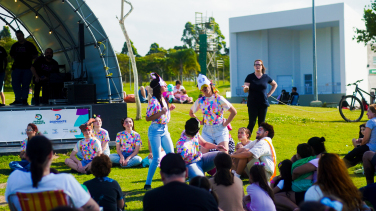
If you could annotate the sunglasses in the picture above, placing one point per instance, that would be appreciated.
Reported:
(29, 130)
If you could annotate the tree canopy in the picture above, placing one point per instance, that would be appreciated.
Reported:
(368, 35)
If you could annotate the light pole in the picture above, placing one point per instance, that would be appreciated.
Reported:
(315, 94)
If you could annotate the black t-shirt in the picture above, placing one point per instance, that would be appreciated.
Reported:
(45, 68)
(179, 196)
(3, 56)
(23, 55)
(105, 191)
(257, 90)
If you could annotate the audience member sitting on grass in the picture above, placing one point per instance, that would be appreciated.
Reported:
(177, 89)
(304, 154)
(333, 179)
(188, 146)
(228, 188)
(39, 153)
(283, 182)
(243, 136)
(105, 191)
(175, 194)
(101, 134)
(203, 182)
(89, 147)
(259, 150)
(128, 144)
(369, 163)
(328, 203)
(24, 164)
(357, 141)
(259, 195)
(184, 97)
(318, 148)
(368, 142)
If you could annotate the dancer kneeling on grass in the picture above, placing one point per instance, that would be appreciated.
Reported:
(213, 106)
(188, 147)
(24, 164)
(158, 112)
(128, 144)
(89, 147)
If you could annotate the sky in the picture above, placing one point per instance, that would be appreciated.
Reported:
(163, 21)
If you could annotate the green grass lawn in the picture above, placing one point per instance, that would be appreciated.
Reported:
(293, 125)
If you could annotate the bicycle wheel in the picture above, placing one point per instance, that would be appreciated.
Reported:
(351, 108)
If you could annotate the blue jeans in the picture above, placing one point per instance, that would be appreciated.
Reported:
(22, 165)
(134, 161)
(205, 164)
(158, 136)
(2, 77)
(142, 99)
(85, 162)
(21, 79)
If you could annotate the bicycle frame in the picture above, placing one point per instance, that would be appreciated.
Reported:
(359, 90)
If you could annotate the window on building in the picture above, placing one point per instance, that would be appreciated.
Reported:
(308, 84)
(374, 60)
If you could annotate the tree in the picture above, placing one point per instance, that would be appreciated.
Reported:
(184, 61)
(154, 48)
(368, 36)
(191, 34)
(7, 43)
(124, 50)
(5, 33)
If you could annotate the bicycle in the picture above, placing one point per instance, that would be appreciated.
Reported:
(351, 107)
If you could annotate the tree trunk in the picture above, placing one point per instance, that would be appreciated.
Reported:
(132, 58)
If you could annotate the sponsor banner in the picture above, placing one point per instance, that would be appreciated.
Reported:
(54, 124)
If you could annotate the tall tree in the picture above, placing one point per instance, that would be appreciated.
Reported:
(124, 50)
(154, 48)
(184, 61)
(191, 34)
(368, 35)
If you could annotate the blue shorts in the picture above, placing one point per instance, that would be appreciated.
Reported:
(215, 134)
(85, 162)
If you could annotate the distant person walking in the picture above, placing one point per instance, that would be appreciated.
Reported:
(23, 52)
(255, 84)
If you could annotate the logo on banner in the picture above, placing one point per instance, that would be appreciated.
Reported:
(65, 130)
(58, 120)
(23, 133)
(54, 131)
(38, 120)
(73, 131)
(45, 132)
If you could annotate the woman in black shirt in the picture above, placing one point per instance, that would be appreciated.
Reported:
(255, 84)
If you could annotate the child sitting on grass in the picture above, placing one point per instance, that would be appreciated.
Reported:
(243, 136)
(304, 155)
(184, 97)
(358, 141)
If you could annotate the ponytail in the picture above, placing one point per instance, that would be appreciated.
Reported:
(38, 149)
(223, 163)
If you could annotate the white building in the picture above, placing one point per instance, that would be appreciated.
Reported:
(283, 40)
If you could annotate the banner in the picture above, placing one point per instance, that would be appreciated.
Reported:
(54, 124)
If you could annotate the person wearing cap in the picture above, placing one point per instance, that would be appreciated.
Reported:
(128, 144)
(175, 194)
(255, 84)
(89, 147)
(213, 106)
(158, 112)
(188, 146)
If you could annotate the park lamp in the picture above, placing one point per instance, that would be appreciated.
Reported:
(50, 32)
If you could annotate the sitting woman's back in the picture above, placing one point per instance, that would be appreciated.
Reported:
(228, 188)
(105, 191)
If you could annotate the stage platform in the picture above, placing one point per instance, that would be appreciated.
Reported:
(57, 122)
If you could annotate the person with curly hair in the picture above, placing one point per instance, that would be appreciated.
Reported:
(104, 190)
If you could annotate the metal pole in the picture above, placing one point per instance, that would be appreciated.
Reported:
(315, 94)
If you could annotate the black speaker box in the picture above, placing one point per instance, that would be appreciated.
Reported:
(81, 40)
(81, 94)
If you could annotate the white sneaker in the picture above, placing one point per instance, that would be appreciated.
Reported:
(235, 174)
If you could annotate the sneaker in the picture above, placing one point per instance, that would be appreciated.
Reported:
(147, 187)
(16, 103)
(2, 104)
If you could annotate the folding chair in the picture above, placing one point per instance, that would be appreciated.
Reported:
(39, 201)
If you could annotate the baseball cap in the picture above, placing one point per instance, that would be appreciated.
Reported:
(172, 164)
